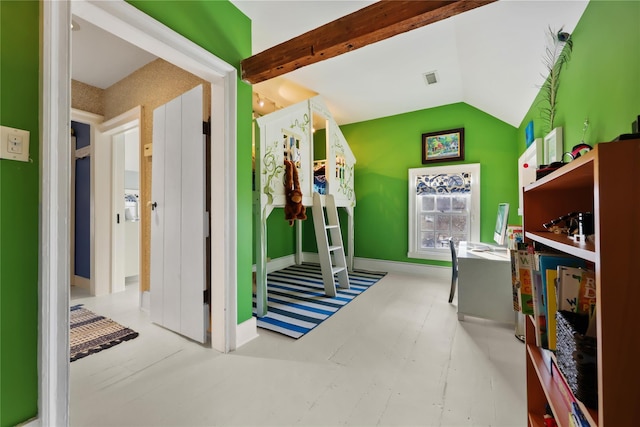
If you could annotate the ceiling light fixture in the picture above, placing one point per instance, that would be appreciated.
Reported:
(260, 101)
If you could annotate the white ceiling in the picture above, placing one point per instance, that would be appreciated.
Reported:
(489, 57)
(100, 59)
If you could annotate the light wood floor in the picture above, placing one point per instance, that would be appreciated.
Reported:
(396, 356)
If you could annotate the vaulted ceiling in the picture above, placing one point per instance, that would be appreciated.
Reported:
(489, 57)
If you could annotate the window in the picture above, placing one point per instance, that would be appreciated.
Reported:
(444, 202)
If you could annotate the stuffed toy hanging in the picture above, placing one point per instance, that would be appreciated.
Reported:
(293, 208)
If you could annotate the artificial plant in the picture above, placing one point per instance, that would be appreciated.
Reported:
(557, 54)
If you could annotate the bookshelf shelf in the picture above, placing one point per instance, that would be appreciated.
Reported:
(606, 182)
(562, 242)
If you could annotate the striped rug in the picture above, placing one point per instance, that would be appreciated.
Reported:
(296, 299)
(90, 333)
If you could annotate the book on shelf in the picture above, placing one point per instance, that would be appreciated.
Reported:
(524, 266)
(515, 283)
(567, 395)
(539, 310)
(578, 415)
(552, 307)
(547, 262)
(515, 235)
(573, 421)
(576, 290)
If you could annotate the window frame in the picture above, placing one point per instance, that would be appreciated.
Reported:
(435, 253)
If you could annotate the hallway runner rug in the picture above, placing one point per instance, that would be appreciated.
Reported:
(90, 333)
(297, 302)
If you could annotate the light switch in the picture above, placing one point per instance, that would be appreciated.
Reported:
(14, 144)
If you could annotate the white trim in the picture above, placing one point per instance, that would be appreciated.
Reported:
(403, 267)
(442, 254)
(132, 25)
(311, 257)
(83, 152)
(105, 236)
(33, 422)
(53, 271)
(280, 263)
(82, 282)
(371, 264)
(246, 331)
(85, 116)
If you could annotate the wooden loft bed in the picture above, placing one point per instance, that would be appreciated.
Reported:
(287, 134)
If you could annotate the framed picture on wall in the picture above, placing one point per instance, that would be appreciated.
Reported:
(443, 146)
(553, 146)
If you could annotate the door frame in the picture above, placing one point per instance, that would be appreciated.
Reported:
(93, 120)
(140, 29)
(105, 156)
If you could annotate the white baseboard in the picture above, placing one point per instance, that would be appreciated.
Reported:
(246, 331)
(34, 422)
(402, 267)
(370, 264)
(278, 263)
(389, 266)
(310, 257)
(145, 301)
(82, 282)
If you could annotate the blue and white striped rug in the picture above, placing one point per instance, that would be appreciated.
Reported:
(296, 299)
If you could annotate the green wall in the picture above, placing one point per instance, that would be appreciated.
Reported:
(216, 26)
(601, 82)
(386, 148)
(19, 215)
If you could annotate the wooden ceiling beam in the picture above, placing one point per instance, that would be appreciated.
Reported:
(371, 24)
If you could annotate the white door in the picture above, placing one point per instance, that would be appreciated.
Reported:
(125, 182)
(178, 217)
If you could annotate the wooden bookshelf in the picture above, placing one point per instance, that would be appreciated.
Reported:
(606, 182)
(564, 243)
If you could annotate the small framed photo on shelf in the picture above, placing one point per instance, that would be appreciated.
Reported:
(443, 146)
(528, 132)
(553, 146)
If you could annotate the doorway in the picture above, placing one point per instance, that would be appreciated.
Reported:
(126, 203)
(140, 29)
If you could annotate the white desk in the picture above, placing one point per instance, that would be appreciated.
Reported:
(484, 284)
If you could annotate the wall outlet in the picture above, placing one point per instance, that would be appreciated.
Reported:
(14, 144)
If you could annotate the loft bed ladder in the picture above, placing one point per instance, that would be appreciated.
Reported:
(330, 247)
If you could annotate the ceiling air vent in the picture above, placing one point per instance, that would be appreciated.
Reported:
(430, 78)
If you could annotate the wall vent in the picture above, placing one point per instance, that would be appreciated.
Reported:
(430, 78)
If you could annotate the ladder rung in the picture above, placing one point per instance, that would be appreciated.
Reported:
(330, 226)
(336, 270)
(334, 248)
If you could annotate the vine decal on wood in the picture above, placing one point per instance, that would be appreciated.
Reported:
(271, 169)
